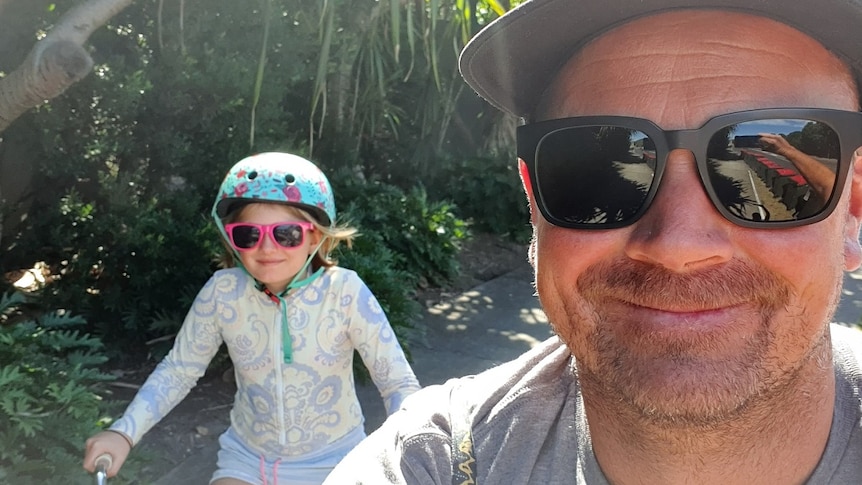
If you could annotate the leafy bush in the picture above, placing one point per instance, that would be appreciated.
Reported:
(124, 259)
(424, 234)
(488, 192)
(47, 405)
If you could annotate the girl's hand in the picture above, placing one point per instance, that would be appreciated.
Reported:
(112, 443)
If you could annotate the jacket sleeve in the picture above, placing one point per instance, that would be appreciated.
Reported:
(196, 344)
(372, 336)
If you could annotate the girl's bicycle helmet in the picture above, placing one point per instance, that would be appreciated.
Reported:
(276, 177)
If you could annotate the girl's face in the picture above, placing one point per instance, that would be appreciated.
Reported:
(270, 263)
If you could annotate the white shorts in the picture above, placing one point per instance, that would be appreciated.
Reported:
(236, 460)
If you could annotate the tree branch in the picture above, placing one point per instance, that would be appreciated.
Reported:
(55, 62)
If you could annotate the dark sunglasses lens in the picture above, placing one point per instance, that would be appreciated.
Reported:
(245, 237)
(288, 235)
(774, 170)
(594, 174)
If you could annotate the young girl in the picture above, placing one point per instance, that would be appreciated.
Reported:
(291, 320)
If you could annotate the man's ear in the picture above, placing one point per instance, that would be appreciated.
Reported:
(528, 189)
(852, 250)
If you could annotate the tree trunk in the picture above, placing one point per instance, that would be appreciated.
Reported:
(56, 61)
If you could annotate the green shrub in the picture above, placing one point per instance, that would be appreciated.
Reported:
(124, 259)
(48, 408)
(424, 234)
(488, 192)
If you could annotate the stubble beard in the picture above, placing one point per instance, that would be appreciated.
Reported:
(670, 382)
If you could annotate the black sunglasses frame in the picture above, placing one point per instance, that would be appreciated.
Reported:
(846, 124)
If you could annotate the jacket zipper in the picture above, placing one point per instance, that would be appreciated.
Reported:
(278, 361)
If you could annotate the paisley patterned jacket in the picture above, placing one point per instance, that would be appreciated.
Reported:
(281, 410)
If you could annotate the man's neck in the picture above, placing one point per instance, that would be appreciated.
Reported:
(778, 439)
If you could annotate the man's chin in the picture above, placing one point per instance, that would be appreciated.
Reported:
(691, 406)
(682, 393)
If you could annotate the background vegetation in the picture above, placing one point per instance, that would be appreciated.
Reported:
(106, 188)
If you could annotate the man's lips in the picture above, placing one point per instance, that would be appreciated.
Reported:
(673, 315)
(681, 307)
(732, 322)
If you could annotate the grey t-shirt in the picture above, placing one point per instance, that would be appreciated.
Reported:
(528, 426)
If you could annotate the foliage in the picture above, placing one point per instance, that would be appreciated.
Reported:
(128, 159)
(375, 60)
(424, 234)
(123, 259)
(48, 408)
(488, 192)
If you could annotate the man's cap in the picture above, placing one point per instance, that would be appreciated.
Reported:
(512, 60)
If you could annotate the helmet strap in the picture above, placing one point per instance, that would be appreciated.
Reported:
(296, 282)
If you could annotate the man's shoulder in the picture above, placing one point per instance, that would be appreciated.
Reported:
(847, 342)
(847, 357)
(510, 410)
(840, 462)
(479, 398)
(542, 374)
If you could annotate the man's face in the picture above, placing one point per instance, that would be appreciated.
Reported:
(684, 315)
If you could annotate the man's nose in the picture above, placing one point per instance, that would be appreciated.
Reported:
(682, 230)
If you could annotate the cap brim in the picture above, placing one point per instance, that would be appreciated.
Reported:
(510, 62)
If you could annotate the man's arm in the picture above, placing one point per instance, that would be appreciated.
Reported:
(411, 447)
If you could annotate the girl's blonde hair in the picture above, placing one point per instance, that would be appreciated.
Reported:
(332, 236)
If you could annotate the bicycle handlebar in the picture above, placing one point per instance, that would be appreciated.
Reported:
(103, 464)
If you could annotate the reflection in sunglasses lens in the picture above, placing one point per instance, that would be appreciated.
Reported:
(288, 235)
(245, 236)
(774, 170)
(595, 174)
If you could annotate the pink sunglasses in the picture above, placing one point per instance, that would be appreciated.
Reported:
(247, 236)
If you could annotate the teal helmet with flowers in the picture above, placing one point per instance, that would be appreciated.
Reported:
(276, 177)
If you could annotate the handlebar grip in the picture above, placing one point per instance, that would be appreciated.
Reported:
(103, 464)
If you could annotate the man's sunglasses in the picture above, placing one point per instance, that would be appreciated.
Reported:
(247, 236)
(764, 168)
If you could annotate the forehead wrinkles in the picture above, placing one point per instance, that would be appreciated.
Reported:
(680, 70)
